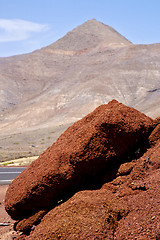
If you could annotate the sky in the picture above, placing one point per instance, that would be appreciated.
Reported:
(28, 25)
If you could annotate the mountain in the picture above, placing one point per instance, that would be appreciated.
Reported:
(43, 92)
(89, 35)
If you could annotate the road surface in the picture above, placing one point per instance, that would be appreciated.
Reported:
(9, 173)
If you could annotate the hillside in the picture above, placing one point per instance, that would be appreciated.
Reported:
(45, 91)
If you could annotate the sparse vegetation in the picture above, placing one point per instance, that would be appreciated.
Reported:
(7, 163)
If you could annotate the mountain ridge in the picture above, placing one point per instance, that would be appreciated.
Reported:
(44, 92)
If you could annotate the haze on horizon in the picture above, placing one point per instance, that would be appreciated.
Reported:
(30, 25)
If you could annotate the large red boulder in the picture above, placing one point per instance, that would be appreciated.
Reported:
(80, 155)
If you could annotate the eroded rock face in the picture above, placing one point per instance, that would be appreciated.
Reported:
(84, 152)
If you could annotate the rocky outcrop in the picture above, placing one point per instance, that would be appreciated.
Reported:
(125, 208)
(86, 155)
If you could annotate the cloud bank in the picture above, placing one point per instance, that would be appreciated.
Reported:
(18, 30)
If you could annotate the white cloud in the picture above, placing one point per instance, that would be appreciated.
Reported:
(17, 29)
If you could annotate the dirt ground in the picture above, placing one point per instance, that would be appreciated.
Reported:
(28, 144)
(6, 232)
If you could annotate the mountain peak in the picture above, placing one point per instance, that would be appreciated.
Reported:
(88, 35)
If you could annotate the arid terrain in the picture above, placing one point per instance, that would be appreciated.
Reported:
(5, 219)
(100, 179)
(43, 92)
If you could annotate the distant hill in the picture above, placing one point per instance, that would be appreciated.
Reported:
(43, 92)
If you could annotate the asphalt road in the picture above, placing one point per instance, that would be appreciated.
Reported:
(9, 173)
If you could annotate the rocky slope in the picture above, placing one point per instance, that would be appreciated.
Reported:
(99, 180)
(43, 92)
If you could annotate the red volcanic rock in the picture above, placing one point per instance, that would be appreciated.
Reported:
(153, 156)
(156, 122)
(125, 208)
(87, 215)
(26, 225)
(155, 135)
(84, 152)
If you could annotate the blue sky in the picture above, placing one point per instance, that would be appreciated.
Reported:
(26, 25)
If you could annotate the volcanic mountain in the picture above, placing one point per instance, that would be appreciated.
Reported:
(43, 92)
